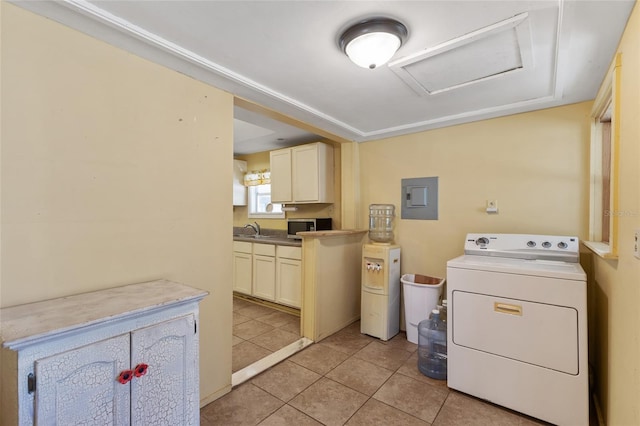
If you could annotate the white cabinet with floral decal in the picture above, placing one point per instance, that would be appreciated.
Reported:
(127, 355)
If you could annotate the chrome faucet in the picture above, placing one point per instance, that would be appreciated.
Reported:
(254, 226)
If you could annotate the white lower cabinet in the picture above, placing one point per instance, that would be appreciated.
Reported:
(242, 267)
(289, 276)
(79, 387)
(264, 271)
(124, 356)
(163, 395)
(268, 271)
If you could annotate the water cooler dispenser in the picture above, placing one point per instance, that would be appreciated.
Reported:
(380, 316)
(380, 301)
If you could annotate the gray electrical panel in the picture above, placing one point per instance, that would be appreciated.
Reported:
(420, 198)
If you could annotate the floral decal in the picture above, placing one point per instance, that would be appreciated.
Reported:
(140, 370)
(125, 376)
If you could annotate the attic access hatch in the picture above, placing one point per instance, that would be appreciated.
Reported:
(490, 52)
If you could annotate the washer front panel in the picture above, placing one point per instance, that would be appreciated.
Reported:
(517, 335)
(536, 333)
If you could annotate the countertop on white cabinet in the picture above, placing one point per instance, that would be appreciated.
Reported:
(269, 239)
(22, 324)
(332, 233)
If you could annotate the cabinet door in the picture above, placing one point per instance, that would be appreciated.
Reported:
(288, 282)
(264, 277)
(242, 272)
(80, 386)
(305, 175)
(281, 176)
(168, 393)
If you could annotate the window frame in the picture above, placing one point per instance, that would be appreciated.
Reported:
(603, 221)
(252, 195)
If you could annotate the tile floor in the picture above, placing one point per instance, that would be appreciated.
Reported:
(346, 379)
(259, 331)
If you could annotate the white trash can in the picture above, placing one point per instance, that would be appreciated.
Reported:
(421, 296)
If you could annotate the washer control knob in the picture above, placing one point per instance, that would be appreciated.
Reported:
(546, 244)
(531, 243)
(482, 241)
(562, 245)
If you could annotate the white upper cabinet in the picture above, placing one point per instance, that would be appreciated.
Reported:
(303, 174)
(239, 190)
(281, 189)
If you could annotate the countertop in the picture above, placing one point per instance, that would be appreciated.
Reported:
(332, 233)
(31, 321)
(280, 237)
(269, 236)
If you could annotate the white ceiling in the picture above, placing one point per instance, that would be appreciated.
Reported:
(463, 60)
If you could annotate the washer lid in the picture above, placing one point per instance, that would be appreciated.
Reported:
(539, 268)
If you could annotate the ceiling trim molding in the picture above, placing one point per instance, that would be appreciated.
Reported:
(93, 14)
(457, 118)
(87, 18)
(156, 41)
(558, 88)
(252, 106)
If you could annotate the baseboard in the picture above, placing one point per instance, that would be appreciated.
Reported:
(268, 304)
(337, 328)
(269, 361)
(209, 399)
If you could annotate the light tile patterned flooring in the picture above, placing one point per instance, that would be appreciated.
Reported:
(346, 379)
(259, 331)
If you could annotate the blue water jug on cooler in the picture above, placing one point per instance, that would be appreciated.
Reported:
(432, 347)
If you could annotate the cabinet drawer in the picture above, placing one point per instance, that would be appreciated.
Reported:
(264, 249)
(290, 252)
(242, 246)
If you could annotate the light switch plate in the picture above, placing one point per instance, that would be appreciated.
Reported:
(492, 206)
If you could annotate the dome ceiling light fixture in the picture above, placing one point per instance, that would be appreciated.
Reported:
(372, 42)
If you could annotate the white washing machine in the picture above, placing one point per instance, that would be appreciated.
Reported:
(517, 325)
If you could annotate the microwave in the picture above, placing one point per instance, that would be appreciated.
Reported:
(303, 225)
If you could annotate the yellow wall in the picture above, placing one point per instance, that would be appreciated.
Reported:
(535, 165)
(114, 171)
(617, 283)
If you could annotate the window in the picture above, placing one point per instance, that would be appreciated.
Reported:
(259, 196)
(260, 205)
(605, 133)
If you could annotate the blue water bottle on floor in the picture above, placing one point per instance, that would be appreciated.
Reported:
(432, 347)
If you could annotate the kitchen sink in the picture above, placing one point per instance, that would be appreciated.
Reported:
(256, 237)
